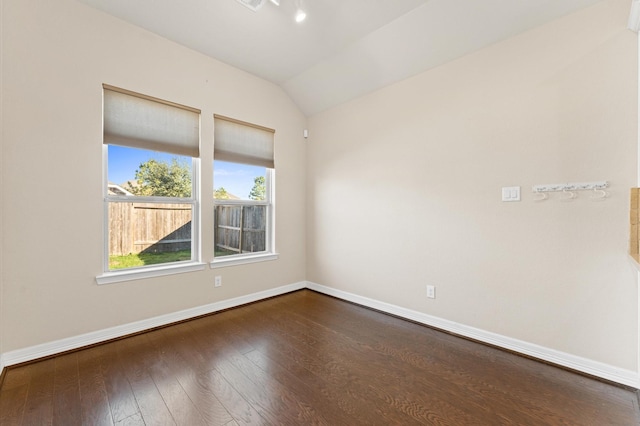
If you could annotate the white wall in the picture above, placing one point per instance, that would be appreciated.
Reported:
(404, 187)
(56, 55)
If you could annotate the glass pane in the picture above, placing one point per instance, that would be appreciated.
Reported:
(234, 181)
(143, 234)
(140, 172)
(240, 229)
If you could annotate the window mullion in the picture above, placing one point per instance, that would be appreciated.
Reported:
(150, 200)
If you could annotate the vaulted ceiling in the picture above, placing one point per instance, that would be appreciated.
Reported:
(345, 48)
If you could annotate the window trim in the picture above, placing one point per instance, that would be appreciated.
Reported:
(270, 253)
(150, 271)
(243, 259)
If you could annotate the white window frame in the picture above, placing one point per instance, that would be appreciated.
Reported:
(167, 128)
(270, 252)
(169, 268)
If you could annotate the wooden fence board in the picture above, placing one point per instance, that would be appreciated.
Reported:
(148, 227)
(240, 229)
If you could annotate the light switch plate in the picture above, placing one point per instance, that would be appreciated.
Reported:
(511, 193)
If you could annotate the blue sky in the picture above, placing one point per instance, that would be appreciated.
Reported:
(237, 179)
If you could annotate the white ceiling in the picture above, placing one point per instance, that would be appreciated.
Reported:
(345, 48)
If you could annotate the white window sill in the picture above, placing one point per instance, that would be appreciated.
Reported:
(148, 272)
(242, 259)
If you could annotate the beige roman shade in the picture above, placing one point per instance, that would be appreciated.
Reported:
(239, 142)
(139, 121)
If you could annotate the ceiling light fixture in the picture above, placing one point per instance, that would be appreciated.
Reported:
(252, 4)
(300, 15)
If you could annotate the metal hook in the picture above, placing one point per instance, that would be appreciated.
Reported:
(545, 196)
(603, 194)
(571, 196)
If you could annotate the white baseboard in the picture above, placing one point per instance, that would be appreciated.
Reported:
(584, 365)
(594, 368)
(59, 346)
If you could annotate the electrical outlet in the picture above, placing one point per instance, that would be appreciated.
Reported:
(218, 281)
(431, 291)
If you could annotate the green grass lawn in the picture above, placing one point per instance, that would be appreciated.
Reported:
(144, 259)
(224, 252)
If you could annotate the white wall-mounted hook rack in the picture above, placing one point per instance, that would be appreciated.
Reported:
(571, 187)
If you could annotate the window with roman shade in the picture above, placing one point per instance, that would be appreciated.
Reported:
(240, 142)
(139, 121)
(244, 169)
(151, 155)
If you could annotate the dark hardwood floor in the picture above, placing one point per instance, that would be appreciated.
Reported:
(302, 359)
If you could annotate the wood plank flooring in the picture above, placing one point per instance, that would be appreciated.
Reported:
(304, 359)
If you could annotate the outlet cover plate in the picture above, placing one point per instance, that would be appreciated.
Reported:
(431, 291)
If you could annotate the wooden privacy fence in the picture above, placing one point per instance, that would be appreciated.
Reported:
(148, 227)
(240, 229)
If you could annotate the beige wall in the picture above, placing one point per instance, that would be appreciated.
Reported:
(403, 185)
(56, 56)
(1, 194)
(404, 189)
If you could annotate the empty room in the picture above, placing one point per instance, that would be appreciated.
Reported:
(338, 212)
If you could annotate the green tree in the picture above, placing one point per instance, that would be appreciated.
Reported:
(259, 190)
(162, 179)
(221, 194)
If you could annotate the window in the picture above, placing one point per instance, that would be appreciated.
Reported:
(243, 179)
(151, 150)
